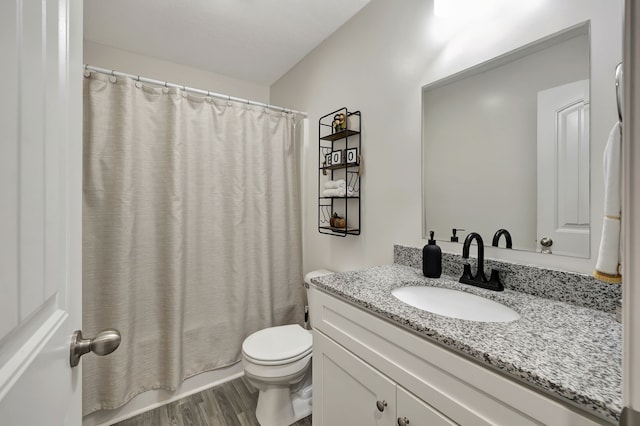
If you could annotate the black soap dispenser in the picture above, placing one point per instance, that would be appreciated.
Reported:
(431, 259)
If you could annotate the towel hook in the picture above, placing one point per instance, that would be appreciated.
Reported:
(619, 90)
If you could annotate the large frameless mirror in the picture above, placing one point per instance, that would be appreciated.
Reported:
(506, 146)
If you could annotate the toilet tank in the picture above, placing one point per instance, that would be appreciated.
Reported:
(307, 283)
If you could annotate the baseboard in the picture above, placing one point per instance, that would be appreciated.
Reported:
(154, 398)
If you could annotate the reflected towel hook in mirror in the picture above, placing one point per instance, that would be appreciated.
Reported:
(619, 90)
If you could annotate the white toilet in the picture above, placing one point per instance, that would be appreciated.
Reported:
(277, 361)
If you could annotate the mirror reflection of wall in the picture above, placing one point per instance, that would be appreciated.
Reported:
(480, 147)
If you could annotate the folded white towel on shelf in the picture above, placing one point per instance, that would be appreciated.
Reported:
(338, 192)
(609, 259)
(335, 184)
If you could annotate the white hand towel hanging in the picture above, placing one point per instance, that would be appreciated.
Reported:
(608, 265)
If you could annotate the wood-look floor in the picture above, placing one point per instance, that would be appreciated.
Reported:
(229, 404)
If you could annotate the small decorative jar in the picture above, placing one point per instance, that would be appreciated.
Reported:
(337, 221)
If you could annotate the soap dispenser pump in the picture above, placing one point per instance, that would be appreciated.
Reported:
(431, 259)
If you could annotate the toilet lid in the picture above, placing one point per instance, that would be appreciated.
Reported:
(278, 343)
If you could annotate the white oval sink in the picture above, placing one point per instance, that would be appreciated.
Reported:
(455, 304)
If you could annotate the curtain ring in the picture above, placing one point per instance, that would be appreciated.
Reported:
(165, 85)
(138, 78)
(113, 78)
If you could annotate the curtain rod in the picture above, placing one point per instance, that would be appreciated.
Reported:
(190, 89)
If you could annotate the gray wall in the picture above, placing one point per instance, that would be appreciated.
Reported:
(100, 55)
(379, 61)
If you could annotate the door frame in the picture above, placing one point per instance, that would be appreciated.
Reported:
(631, 207)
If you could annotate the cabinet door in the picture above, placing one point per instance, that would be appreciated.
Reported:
(415, 412)
(347, 391)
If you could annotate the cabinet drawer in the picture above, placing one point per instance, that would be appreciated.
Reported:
(417, 412)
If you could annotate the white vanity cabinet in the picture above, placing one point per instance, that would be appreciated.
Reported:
(352, 392)
(410, 410)
(361, 361)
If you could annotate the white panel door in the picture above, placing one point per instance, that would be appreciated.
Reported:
(347, 391)
(40, 210)
(563, 169)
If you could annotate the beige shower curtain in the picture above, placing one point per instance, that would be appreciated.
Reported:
(192, 238)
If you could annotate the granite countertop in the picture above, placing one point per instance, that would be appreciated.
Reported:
(570, 351)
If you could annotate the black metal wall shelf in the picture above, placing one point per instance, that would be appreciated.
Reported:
(339, 135)
(340, 166)
(348, 231)
(340, 140)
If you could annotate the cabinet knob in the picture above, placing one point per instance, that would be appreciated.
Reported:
(381, 405)
(403, 421)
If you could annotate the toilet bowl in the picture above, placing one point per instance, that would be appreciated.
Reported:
(277, 361)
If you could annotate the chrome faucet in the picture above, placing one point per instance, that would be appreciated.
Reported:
(479, 280)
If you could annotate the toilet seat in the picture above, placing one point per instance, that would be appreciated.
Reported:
(277, 345)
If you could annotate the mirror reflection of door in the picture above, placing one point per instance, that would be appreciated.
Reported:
(563, 169)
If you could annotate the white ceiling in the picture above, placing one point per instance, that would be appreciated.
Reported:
(254, 40)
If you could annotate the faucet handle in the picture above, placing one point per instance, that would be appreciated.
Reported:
(466, 273)
(494, 280)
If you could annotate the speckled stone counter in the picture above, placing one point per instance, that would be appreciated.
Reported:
(570, 351)
(563, 286)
